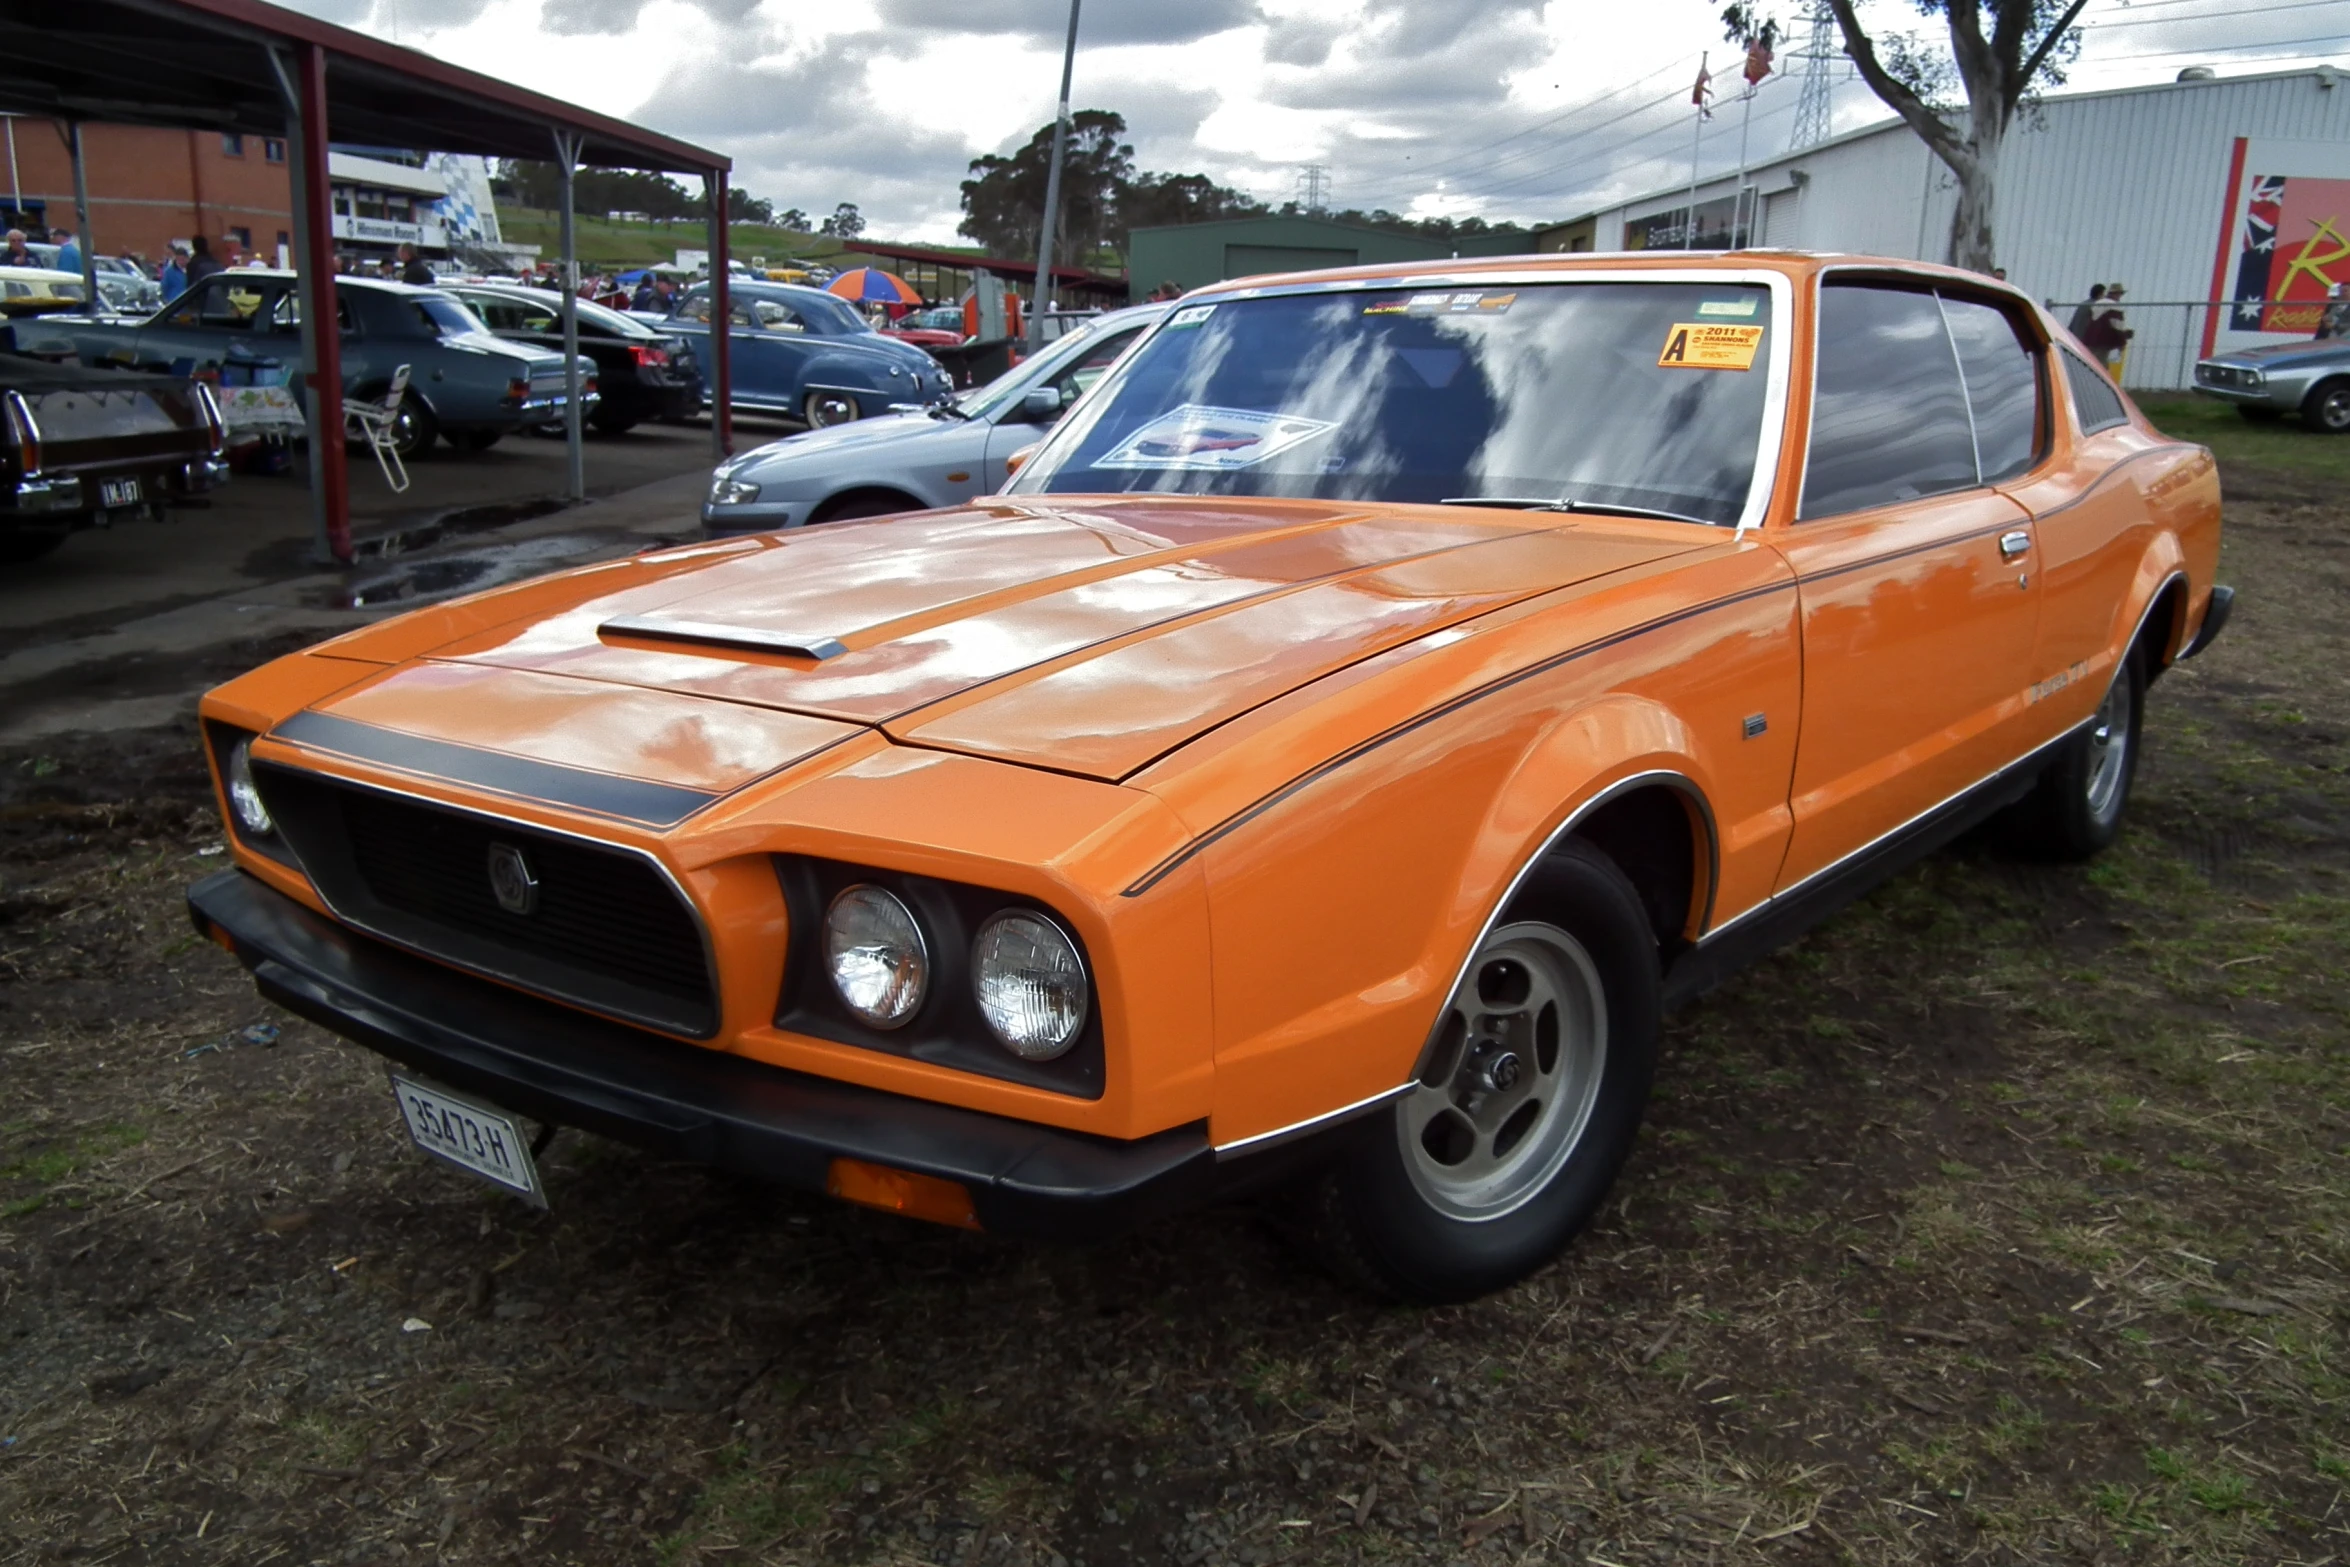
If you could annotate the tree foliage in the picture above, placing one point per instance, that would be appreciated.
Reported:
(1998, 54)
(1003, 201)
(846, 221)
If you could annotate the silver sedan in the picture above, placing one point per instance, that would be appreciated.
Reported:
(939, 456)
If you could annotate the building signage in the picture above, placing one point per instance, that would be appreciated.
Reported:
(2284, 241)
(382, 231)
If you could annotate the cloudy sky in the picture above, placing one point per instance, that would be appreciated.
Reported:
(1502, 108)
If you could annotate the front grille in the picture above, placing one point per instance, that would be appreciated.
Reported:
(2222, 375)
(604, 928)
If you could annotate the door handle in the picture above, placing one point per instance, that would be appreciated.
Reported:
(2013, 544)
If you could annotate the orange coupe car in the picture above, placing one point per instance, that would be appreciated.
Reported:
(1369, 708)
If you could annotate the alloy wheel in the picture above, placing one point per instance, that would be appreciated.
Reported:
(1509, 1087)
(2109, 749)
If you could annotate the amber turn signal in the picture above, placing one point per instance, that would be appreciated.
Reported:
(221, 938)
(901, 1191)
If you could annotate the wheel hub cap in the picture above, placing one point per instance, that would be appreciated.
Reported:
(1512, 1075)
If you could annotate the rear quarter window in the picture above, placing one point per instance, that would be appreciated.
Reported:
(2002, 371)
(2095, 402)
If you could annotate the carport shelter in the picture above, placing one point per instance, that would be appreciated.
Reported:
(246, 67)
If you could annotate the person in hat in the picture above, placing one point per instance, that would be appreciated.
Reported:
(2109, 334)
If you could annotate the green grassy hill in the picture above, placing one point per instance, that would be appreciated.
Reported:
(609, 243)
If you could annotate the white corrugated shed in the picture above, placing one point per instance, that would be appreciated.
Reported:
(2129, 185)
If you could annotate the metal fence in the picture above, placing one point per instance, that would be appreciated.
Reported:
(2167, 340)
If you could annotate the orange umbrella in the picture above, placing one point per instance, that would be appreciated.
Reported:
(871, 285)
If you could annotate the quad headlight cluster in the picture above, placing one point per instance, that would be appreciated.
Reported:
(1026, 975)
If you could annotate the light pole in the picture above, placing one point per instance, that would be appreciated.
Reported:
(1052, 190)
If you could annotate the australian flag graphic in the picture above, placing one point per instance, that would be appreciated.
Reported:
(2259, 250)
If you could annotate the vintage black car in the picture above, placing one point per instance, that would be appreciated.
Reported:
(82, 447)
(643, 372)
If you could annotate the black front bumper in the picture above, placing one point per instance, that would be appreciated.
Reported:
(683, 1101)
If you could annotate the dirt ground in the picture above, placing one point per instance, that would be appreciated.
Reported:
(2003, 1219)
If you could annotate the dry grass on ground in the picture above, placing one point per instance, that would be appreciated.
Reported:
(2003, 1219)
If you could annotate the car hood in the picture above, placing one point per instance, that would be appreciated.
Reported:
(2283, 356)
(853, 439)
(1089, 636)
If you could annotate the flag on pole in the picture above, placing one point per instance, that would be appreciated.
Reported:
(1758, 63)
(1703, 90)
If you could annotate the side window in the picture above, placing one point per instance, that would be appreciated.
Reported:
(1092, 365)
(496, 311)
(778, 318)
(1889, 412)
(2095, 403)
(537, 318)
(696, 308)
(2002, 384)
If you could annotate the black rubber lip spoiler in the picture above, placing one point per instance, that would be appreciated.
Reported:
(709, 633)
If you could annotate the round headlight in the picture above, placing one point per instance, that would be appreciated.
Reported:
(1031, 984)
(243, 797)
(875, 953)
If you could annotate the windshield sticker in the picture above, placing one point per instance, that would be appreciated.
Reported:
(1729, 307)
(1191, 315)
(1387, 307)
(1211, 440)
(1700, 345)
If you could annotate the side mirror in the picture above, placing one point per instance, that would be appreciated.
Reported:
(1042, 405)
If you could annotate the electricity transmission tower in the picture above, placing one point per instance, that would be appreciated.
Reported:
(1313, 187)
(1819, 55)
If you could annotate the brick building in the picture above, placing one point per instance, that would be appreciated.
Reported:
(149, 187)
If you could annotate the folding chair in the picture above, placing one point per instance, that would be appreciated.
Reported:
(376, 421)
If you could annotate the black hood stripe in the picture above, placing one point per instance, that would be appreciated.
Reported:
(628, 799)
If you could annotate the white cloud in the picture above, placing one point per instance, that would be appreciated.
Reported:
(1526, 109)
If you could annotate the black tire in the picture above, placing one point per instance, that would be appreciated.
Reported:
(871, 503)
(23, 544)
(1398, 1222)
(473, 440)
(414, 430)
(2075, 810)
(822, 409)
(2327, 407)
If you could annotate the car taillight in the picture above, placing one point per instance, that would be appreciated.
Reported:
(646, 354)
(518, 391)
(209, 407)
(25, 434)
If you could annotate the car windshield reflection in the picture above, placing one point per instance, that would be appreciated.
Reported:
(1644, 396)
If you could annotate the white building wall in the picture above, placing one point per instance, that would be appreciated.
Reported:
(2124, 186)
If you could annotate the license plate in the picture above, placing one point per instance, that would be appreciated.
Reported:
(118, 492)
(471, 1135)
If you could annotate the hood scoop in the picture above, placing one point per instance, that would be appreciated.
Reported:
(710, 633)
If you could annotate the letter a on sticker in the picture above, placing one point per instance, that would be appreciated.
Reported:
(1676, 348)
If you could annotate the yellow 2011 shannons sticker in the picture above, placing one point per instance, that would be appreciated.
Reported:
(1709, 345)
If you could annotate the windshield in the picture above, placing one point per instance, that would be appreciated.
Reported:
(1646, 395)
(447, 314)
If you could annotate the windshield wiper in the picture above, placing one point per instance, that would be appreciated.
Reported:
(1566, 503)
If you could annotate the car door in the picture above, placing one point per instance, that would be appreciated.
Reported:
(2093, 526)
(1014, 431)
(1915, 579)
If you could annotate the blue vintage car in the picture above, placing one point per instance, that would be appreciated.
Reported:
(464, 383)
(803, 352)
